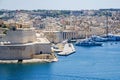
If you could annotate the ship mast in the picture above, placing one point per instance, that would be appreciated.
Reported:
(107, 24)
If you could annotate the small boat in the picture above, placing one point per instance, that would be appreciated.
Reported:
(98, 39)
(71, 41)
(56, 49)
(88, 42)
(68, 49)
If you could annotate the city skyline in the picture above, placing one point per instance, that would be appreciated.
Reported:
(58, 4)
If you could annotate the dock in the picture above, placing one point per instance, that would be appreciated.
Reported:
(68, 49)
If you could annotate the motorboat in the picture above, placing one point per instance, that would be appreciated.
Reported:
(55, 49)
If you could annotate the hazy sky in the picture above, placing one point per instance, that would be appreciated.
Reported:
(59, 4)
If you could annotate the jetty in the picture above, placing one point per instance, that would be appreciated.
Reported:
(68, 49)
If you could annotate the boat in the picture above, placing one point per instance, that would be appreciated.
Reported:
(71, 41)
(88, 42)
(112, 37)
(56, 49)
(98, 39)
(68, 49)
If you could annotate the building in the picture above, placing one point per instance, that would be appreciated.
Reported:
(22, 43)
(54, 36)
(59, 36)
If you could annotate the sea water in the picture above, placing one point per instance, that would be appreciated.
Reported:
(88, 63)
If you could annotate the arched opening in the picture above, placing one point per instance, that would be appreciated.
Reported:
(40, 52)
(20, 25)
(13, 28)
(20, 61)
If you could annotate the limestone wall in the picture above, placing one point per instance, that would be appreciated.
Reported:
(53, 36)
(20, 36)
(57, 37)
(42, 48)
(16, 52)
(23, 51)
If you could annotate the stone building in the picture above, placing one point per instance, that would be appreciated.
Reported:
(59, 36)
(22, 44)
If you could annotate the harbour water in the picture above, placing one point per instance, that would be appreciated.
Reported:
(88, 63)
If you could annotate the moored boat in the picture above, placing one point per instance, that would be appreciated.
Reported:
(88, 42)
(112, 37)
(98, 39)
(55, 49)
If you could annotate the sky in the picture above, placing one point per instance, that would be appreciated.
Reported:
(58, 4)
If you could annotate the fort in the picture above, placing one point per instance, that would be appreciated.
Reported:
(20, 44)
